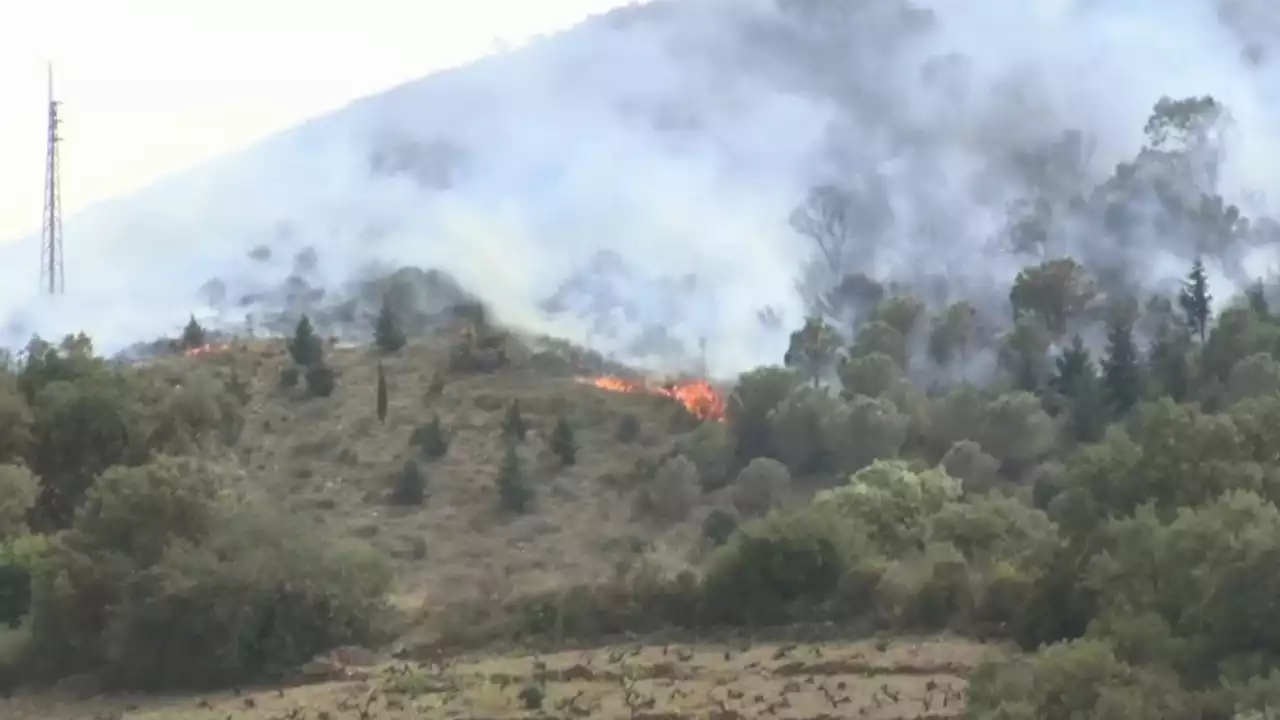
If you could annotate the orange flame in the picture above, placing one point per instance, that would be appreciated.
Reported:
(207, 349)
(697, 396)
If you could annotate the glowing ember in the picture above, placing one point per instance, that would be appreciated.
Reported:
(207, 350)
(698, 396)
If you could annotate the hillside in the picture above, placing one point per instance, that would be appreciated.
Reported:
(984, 405)
(330, 461)
(333, 460)
(269, 514)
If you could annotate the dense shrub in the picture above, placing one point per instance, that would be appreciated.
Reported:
(165, 579)
(718, 526)
(762, 485)
(322, 380)
(710, 448)
(431, 439)
(773, 568)
(410, 486)
(673, 491)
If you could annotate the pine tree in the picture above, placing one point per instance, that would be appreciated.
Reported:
(813, 349)
(513, 424)
(562, 442)
(386, 331)
(513, 493)
(1195, 300)
(382, 394)
(1168, 363)
(193, 336)
(1072, 367)
(1121, 374)
(1088, 406)
(1257, 297)
(305, 347)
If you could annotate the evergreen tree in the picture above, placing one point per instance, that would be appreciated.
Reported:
(382, 394)
(431, 439)
(1072, 367)
(411, 485)
(1257, 297)
(386, 331)
(193, 336)
(513, 424)
(562, 442)
(1121, 374)
(305, 347)
(1195, 300)
(1088, 407)
(513, 494)
(813, 349)
(1168, 363)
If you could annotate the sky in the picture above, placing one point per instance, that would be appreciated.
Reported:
(150, 87)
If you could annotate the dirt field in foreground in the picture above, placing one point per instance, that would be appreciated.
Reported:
(905, 679)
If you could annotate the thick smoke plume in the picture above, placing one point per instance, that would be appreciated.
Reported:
(631, 182)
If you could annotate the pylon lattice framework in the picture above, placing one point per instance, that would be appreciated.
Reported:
(52, 272)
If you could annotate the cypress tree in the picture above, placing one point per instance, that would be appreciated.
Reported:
(513, 424)
(562, 442)
(382, 394)
(513, 493)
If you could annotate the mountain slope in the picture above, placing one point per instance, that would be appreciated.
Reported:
(674, 138)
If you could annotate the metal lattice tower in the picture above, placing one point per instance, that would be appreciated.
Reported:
(52, 274)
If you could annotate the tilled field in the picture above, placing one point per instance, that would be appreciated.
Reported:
(875, 680)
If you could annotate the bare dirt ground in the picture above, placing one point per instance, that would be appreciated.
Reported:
(922, 678)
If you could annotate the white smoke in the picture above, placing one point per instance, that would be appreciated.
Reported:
(676, 137)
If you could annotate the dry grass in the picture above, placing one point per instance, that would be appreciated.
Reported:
(904, 679)
(330, 459)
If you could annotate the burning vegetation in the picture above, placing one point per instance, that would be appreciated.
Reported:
(697, 396)
(207, 349)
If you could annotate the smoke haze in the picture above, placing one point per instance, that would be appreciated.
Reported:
(631, 180)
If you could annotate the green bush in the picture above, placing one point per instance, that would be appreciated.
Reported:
(167, 579)
(777, 566)
(750, 406)
(410, 486)
(514, 494)
(562, 442)
(431, 439)
(762, 485)
(17, 559)
(1076, 680)
(719, 526)
(926, 591)
(892, 503)
(800, 428)
(710, 448)
(673, 490)
(321, 380)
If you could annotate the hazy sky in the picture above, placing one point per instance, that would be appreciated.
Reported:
(154, 86)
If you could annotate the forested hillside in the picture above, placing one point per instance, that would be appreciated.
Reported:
(1048, 498)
